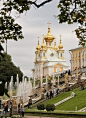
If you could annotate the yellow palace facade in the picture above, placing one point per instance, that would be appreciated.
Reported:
(78, 58)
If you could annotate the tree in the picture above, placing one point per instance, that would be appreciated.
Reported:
(74, 11)
(8, 69)
(9, 29)
(40, 107)
(50, 107)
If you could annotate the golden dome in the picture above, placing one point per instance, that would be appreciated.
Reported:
(55, 47)
(38, 46)
(49, 37)
(60, 45)
(43, 44)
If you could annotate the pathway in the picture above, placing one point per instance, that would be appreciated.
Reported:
(33, 116)
(38, 117)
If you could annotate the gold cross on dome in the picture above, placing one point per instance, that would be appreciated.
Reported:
(48, 23)
(38, 37)
(43, 35)
(60, 36)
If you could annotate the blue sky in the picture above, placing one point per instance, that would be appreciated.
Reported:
(34, 24)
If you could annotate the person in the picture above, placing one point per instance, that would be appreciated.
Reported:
(19, 108)
(83, 85)
(6, 109)
(57, 91)
(51, 94)
(47, 95)
(54, 92)
(22, 111)
(29, 103)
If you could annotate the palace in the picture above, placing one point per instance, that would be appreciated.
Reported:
(49, 58)
(78, 58)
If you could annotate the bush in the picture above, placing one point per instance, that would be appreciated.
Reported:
(50, 107)
(40, 107)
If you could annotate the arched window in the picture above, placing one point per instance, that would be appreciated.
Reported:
(49, 43)
(58, 69)
(43, 54)
(61, 54)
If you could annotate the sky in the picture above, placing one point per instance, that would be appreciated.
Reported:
(34, 24)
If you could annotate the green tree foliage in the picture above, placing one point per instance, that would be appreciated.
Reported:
(40, 107)
(9, 29)
(74, 11)
(50, 107)
(8, 69)
(3, 90)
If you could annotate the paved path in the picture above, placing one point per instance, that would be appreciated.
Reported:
(38, 117)
(33, 116)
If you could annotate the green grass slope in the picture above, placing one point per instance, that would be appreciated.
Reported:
(78, 101)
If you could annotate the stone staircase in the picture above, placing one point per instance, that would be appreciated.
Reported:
(66, 99)
(83, 109)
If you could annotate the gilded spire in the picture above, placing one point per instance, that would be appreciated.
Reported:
(49, 37)
(43, 44)
(60, 45)
(48, 26)
(38, 46)
(55, 47)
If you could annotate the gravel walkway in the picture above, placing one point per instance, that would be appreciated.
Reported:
(38, 117)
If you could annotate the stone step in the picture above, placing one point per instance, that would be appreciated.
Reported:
(64, 100)
(83, 109)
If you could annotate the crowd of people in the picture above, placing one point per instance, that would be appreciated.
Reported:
(50, 94)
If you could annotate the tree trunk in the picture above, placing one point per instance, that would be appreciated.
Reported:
(51, 114)
(40, 114)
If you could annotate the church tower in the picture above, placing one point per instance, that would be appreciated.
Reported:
(60, 50)
(49, 38)
(49, 58)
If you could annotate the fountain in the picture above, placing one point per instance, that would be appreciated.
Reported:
(24, 90)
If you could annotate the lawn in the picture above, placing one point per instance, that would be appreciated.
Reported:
(78, 101)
